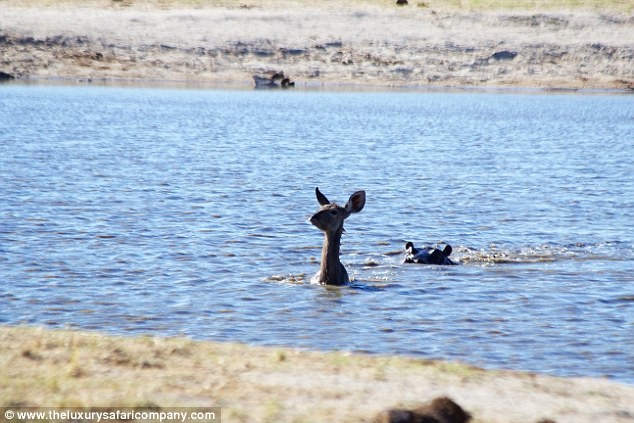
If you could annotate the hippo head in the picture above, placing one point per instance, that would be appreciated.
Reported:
(427, 255)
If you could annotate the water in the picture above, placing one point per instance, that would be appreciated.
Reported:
(185, 212)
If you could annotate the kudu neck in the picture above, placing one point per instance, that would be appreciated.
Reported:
(330, 264)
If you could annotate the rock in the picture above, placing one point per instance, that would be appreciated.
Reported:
(271, 81)
(440, 410)
(503, 55)
(6, 76)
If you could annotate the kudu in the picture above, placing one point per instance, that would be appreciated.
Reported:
(329, 219)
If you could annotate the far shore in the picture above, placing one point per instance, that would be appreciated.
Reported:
(64, 368)
(362, 43)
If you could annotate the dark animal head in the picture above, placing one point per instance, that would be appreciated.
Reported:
(330, 216)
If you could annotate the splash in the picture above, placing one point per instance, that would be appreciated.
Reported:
(545, 253)
(290, 279)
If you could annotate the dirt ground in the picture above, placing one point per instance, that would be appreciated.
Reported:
(41, 367)
(319, 43)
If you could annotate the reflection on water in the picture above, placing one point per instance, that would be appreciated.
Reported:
(185, 212)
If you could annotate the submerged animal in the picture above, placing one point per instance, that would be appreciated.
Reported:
(428, 255)
(329, 219)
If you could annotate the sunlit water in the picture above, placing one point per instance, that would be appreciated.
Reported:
(185, 212)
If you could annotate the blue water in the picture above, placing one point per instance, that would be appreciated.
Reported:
(185, 212)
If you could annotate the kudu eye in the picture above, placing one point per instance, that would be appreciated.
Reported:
(333, 212)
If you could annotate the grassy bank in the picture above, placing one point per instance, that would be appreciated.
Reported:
(563, 44)
(40, 367)
(623, 5)
(613, 5)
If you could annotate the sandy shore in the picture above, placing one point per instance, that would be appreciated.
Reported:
(253, 384)
(359, 42)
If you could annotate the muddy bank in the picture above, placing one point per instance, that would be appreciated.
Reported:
(42, 367)
(364, 44)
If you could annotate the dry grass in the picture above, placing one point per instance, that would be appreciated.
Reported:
(612, 5)
(69, 368)
(622, 5)
(358, 42)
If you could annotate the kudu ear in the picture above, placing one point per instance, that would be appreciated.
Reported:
(321, 198)
(356, 202)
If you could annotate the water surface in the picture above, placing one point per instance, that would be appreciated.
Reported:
(185, 212)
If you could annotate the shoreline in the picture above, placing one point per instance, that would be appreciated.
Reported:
(239, 85)
(64, 368)
(362, 44)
